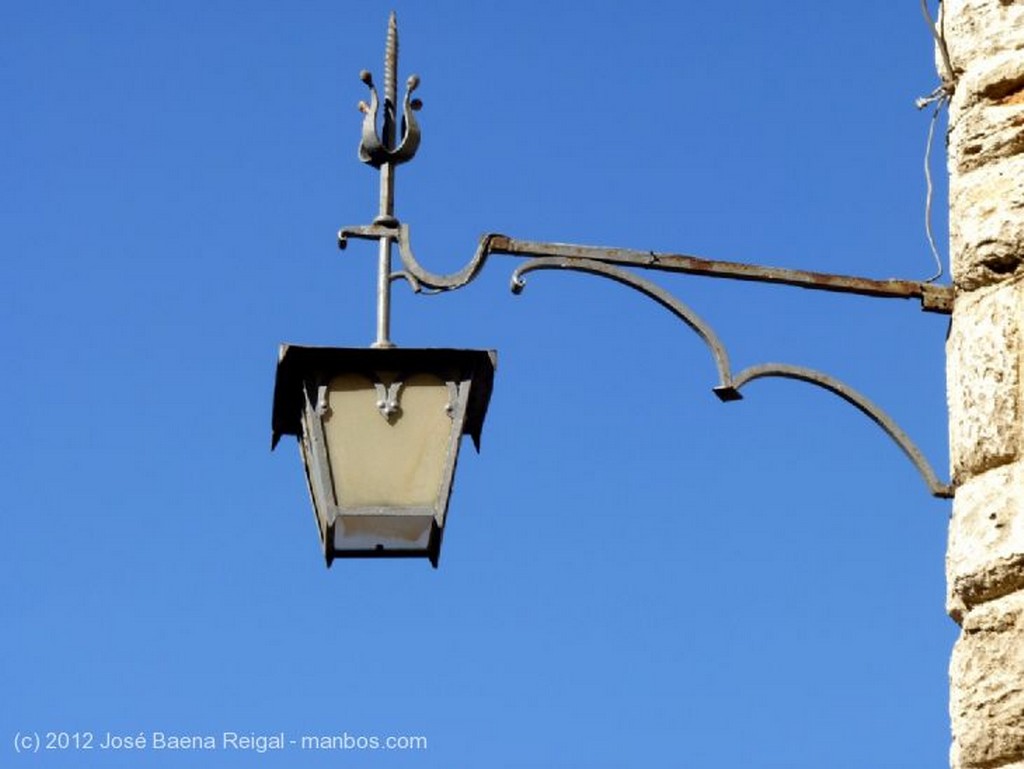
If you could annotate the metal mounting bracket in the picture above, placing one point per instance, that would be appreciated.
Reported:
(382, 152)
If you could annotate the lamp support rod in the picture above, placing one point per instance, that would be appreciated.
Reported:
(384, 151)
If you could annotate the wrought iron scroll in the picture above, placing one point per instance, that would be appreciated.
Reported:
(417, 276)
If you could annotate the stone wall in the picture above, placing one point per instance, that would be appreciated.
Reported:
(985, 559)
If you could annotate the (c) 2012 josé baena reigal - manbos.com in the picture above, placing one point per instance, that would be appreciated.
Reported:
(226, 740)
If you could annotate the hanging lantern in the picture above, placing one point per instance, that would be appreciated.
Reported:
(379, 432)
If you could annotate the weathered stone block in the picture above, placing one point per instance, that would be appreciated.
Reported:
(987, 113)
(983, 373)
(986, 701)
(977, 29)
(986, 236)
(985, 558)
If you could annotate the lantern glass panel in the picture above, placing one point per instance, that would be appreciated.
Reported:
(393, 460)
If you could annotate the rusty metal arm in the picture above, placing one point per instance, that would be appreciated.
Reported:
(933, 298)
(938, 299)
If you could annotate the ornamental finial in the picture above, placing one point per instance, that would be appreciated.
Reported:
(377, 149)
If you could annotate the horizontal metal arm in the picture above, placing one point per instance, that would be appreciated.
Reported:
(933, 298)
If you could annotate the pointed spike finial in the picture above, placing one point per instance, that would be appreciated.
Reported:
(391, 61)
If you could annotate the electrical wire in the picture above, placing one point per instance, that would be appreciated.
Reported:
(930, 190)
(939, 97)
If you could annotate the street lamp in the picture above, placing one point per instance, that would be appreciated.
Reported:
(379, 455)
(379, 431)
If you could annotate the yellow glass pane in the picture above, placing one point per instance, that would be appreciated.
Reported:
(387, 462)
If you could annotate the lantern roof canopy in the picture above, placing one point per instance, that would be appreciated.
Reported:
(298, 365)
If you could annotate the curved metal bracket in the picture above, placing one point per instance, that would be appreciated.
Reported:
(856, 399)
(655, 292)
(729, 386)
(410, 279)
(416, 275)
(448, 282)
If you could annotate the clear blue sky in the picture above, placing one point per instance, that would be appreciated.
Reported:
(633, 573)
